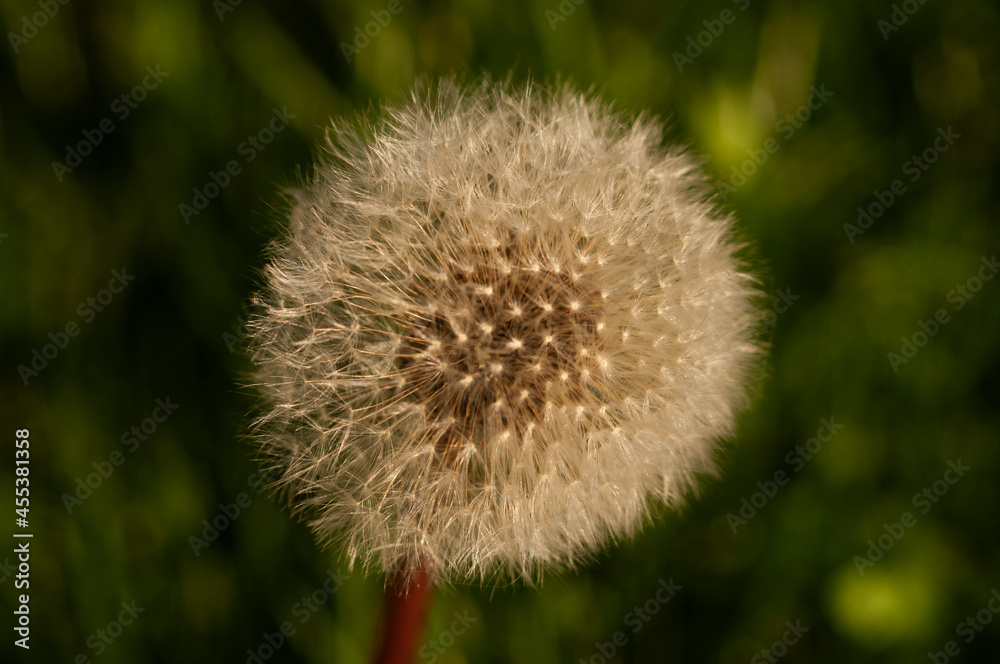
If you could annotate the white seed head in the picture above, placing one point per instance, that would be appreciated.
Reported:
(502, 323)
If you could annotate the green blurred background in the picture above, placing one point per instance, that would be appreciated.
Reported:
(175, 330)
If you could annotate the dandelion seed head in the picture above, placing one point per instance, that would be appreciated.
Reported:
(503, 322)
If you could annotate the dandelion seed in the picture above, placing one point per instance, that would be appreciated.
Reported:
(416, 332)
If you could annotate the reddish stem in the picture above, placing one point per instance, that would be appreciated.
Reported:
(405, 603)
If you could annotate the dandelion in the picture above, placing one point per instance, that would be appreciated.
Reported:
(503, 323)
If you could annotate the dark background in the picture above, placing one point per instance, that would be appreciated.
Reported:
(175, 330)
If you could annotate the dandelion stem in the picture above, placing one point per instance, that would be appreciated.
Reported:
(405, 604)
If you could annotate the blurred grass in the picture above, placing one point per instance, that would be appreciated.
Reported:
(164, 335)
